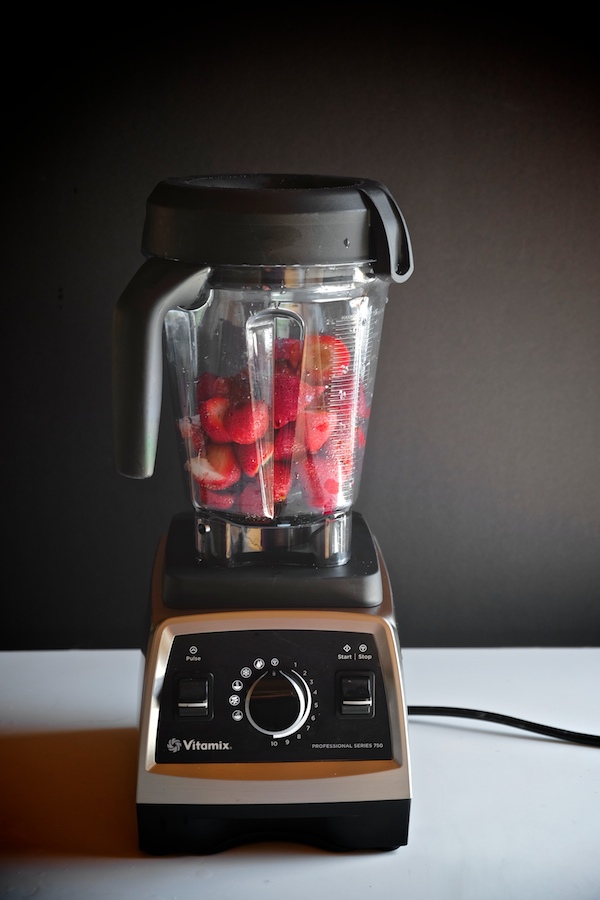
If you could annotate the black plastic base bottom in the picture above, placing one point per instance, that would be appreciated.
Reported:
(174, 828)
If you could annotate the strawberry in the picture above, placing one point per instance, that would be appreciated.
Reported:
(218, 469)
(321, 483)
(191, 430)
(285, 397)
(282, 479)
(246, 422)
(325, 357)
(347, 398)
(318, 425)
(285, 443)
(290, 395)
(212, 414)
(310, 394)
(211, 385)
(250, 501)
(288, 350)
(252, 456)
(216, 499)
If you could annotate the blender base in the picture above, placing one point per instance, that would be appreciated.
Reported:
(280, 721)
(338, 827)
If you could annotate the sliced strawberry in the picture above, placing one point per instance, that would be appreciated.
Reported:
(318, 426)
(311, 486)
(212, 414)
(282, 479)
(216, 499)
(211, 385)
(252, 456)
(191, 430)
(325, 357)
(250, 501)
(218, 469)
(321, 483)
(310, 394)
(285, 442)
(246, 422)
(285, 397)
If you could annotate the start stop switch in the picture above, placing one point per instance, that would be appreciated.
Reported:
(356, 692)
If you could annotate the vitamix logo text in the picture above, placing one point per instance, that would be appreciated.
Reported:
(175, 745)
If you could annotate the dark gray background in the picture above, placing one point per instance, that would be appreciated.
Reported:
(482, 475)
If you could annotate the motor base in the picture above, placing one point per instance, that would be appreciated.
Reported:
(338, 827)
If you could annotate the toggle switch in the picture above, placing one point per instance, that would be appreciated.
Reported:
(193, 696)
(357, 694)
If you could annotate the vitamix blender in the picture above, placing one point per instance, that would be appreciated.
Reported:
(273, 702)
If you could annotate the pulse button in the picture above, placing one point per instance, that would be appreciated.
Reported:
(193, 697)
(357, 694)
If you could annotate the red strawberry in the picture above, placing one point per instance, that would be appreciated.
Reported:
(325, 357)
(216, 499)
(250, 501)
(252, 456)
(347, 398)
(321, 483)
(285, 443)
(318, 425)
(218, 469)
(310, 394)
(277, 485)
(191, 430)
(212, 414)
(211, 385)
(340, 398)
(285, 398)
(282, 479)
(246, 422)
(288, 349)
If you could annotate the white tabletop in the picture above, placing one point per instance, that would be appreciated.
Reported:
(497, 812)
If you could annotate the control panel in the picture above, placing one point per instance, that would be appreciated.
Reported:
(273, 695)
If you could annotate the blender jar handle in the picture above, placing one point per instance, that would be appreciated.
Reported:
(158, 286)
(393, 248)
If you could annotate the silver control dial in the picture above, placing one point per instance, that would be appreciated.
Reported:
(278, 703)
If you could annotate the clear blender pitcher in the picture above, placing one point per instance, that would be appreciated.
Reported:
(269, 292)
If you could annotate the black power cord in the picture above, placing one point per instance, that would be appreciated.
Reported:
(562, 734)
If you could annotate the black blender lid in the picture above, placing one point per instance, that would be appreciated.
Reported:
(277, 220)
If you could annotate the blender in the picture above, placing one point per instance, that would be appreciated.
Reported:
(272, 702)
